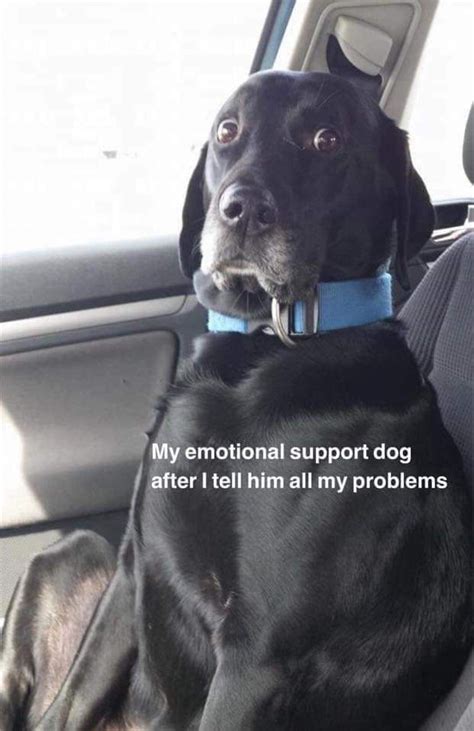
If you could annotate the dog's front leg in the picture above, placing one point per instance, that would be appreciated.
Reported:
(99, 674)
(239, 687)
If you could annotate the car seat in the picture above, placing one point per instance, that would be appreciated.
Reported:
(439, 321)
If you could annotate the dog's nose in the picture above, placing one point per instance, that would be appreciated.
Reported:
(252, 208)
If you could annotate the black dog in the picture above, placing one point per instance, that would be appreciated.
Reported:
(270, 609)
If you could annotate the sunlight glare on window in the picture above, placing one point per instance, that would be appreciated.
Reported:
(441, 99)
(105, 107)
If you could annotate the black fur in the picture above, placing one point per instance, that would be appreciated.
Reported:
(279, 608)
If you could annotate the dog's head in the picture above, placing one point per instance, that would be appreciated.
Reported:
(301, 180)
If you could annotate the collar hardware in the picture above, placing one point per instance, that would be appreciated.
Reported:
(283, 319)
(280, 328)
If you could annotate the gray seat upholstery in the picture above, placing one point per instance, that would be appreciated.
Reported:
(439, 320)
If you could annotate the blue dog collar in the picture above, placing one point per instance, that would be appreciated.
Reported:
(336, 305)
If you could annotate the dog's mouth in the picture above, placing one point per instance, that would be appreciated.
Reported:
(240, 288)
(237, 274)
(243, 276)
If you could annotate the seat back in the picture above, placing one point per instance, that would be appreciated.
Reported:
(439, 320)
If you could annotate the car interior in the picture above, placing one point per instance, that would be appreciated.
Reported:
(94, 326)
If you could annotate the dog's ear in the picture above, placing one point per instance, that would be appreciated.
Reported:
(193, 220)
(414, 212)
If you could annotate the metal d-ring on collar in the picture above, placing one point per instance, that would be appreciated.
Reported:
(278, 312)
(283, 320)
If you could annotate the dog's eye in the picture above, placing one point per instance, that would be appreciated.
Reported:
(227, 131)
(327, 140)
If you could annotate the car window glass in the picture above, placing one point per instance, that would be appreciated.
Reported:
(106, 104)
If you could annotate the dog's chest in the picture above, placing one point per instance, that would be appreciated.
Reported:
(217, 479)
(233, 422)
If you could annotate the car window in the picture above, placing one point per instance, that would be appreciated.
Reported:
(441, 100)
(106, 106)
